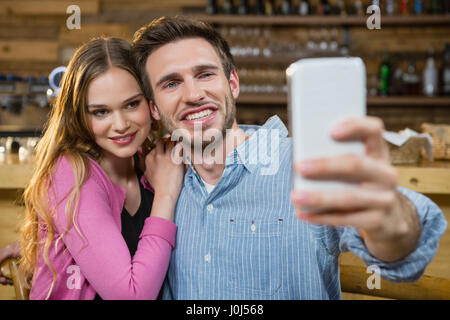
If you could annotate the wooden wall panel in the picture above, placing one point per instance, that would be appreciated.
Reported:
(46, 7)
(36, 51)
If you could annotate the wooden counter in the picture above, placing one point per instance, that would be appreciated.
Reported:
(426, 177)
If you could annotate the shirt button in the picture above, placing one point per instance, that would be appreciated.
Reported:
(207, 258)
(253, 228)
(209, 207)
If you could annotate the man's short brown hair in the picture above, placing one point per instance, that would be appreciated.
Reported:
(164, 30)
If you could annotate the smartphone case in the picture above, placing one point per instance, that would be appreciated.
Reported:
(321, 93)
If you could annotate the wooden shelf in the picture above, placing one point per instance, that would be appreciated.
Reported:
(293, 20)
(409, 101)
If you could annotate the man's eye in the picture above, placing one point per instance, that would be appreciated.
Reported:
(206, 75)
(170, 85)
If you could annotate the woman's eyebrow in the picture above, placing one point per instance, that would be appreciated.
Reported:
(93, 105)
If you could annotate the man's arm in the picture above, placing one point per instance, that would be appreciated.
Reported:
(387, 221)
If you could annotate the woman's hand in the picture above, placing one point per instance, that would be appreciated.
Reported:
(11, 250)
(165, 172)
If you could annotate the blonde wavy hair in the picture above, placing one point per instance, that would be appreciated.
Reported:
(67, 133)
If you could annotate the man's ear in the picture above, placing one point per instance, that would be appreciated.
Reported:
(234, 84)
(154, 110)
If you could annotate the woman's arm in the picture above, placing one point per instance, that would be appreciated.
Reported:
(102, 254)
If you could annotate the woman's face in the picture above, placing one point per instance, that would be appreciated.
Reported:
(118, 113)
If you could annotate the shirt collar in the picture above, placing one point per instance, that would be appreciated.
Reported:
(258, 136)
(247, 153)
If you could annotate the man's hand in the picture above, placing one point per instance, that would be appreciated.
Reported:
(386, 220)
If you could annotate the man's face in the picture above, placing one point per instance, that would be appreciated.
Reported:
(190, 88)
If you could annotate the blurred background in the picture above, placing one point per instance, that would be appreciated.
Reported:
(407, 62)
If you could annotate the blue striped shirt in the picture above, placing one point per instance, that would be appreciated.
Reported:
(243, 241)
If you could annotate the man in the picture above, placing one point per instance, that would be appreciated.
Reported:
(239, 234)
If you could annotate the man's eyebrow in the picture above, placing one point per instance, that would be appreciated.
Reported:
(124, 102)
(205, 67)
(166, 77)
(195, 69)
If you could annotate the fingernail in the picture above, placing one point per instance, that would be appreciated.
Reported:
(306, 166)
(300, 197)
(338, 131)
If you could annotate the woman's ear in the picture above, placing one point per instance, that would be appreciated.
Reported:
(154, 110)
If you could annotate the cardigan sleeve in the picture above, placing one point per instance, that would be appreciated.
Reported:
(100, 250)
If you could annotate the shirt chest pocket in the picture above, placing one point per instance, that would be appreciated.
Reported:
(252, 256)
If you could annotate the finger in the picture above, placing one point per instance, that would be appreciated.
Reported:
(344, 200)
(159, 148)
(368, 130)
(348, 168)
(367, 220)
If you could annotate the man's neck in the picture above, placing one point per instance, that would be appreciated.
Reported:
(211, 167)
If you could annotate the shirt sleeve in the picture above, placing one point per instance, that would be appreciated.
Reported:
(413, 266)
(101, 252)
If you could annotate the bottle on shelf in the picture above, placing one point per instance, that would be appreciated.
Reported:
(259, 7)
(243, 7)
(211, 7)
(403, 7)
(411, 81)
(304, 8)
(269, 7)
(436, 6)
(397, 82)
(359, 8)
(341, 8)
(286, 7)
(228, 7)
(326, 8)
(390, 7)
(418, 6)
(445, 72)
(385, 75)
(430, 76)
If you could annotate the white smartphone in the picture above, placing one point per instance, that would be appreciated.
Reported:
(321, 93)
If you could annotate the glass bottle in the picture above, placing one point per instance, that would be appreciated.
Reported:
(403, 7)
(390, 7)
(228, 7)
(286, 7)
(211, 8)
(304, 8)
(243, 7)
(445, 72)
(418, 6)
(430, 76)
(411, 81)
(269, 7)
(385, 75)
(259, 7)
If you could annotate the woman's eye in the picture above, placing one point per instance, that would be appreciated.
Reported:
(134, 104)
(99, 113)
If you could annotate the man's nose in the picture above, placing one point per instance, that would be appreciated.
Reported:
(121, 122)
(193, 92)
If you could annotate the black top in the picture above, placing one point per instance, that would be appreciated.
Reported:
(132, 225)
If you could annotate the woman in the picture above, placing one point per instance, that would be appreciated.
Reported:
(87, 232)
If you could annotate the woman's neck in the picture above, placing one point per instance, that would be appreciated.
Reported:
(119, 170)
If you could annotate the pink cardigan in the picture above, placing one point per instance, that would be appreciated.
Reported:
(100, 263)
